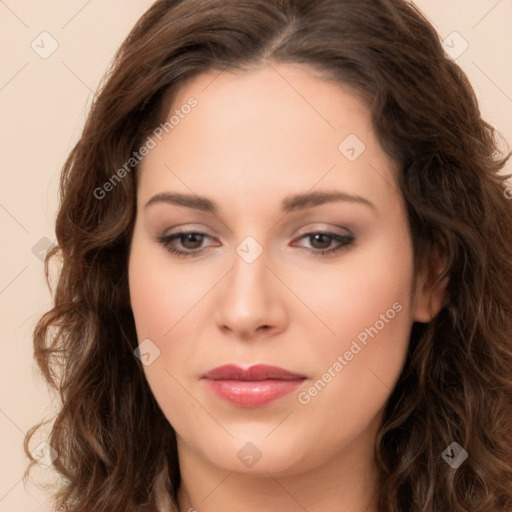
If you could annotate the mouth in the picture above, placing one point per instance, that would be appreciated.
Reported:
(256, 386)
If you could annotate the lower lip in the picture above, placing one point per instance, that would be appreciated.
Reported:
(246, 393)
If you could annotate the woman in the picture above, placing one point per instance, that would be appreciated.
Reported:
(286, 271)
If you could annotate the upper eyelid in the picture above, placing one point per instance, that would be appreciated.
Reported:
(186, 229)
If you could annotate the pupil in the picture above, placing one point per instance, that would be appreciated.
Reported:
(319, 236)
(195, 240)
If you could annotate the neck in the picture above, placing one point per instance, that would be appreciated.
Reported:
(344, 482)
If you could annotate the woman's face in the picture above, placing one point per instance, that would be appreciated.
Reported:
(264, 162)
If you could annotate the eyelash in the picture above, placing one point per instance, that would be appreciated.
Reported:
(345, 241)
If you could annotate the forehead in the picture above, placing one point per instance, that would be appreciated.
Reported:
(269, 131)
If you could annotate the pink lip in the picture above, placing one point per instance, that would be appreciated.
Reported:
(253, 387)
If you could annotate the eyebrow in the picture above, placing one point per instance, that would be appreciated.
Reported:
(289, 204)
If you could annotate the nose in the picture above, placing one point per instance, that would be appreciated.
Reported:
(250, 300)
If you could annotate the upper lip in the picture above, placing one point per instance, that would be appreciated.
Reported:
(256, 372)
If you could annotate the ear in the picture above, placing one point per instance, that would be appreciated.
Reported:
(429, 297)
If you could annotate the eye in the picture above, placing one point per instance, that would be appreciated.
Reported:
(321, 242)
(191, 241)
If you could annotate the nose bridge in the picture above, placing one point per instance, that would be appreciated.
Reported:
(249, 297)
(249, 278)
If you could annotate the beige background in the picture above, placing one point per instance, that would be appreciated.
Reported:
(43, 102)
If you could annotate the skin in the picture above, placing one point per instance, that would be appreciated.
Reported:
(254, 138)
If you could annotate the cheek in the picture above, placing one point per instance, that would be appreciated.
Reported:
(162, 295)
(368, 309)
(160, 313)
(170, 305)
(367, 296)
(370, 312)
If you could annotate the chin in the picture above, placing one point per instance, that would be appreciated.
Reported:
(257, 452)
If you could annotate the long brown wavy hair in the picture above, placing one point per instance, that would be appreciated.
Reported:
(116, 450)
